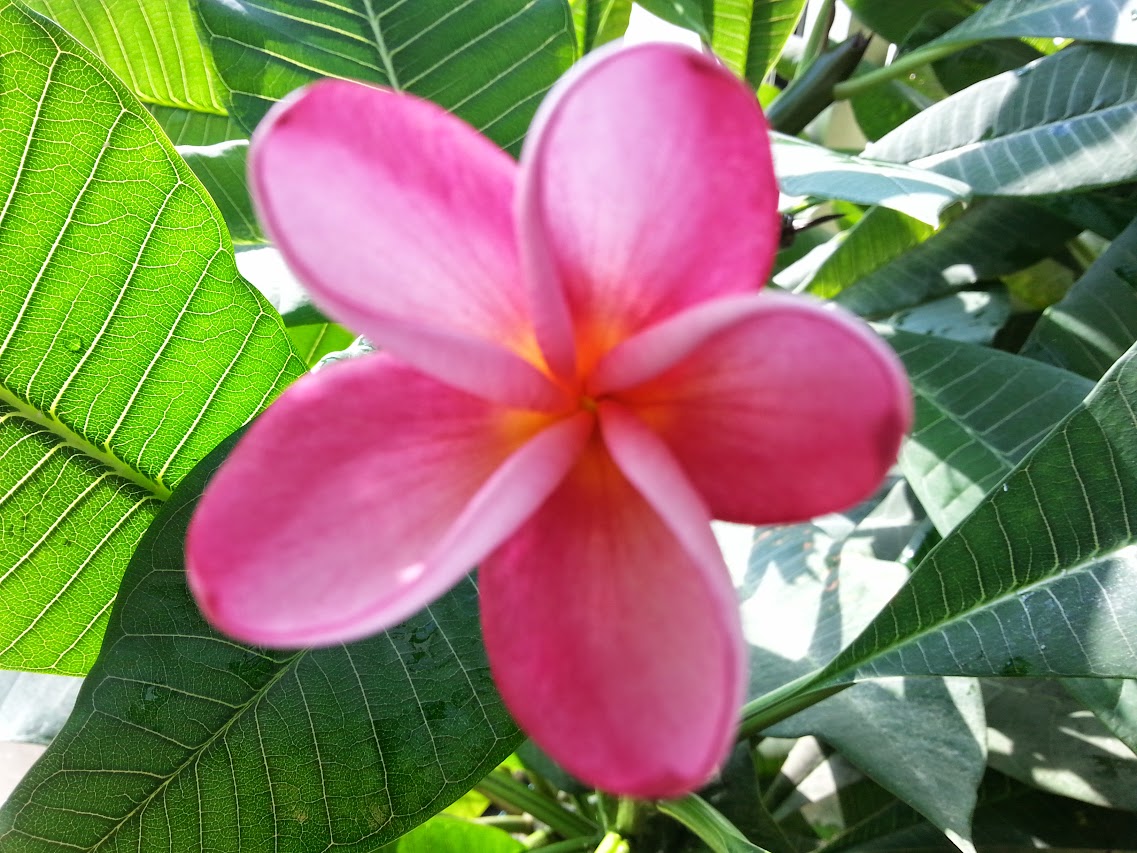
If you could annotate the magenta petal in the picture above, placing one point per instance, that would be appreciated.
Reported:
(397, 216)
(646, 186)
(789, 411)
(612, 629)
(361, 495)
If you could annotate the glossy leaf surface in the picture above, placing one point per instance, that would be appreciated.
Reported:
(489, 62)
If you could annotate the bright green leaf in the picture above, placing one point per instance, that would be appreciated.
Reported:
(772, 22)
(1096, 322)
(688, 14)
(805, 169)
(1063, 123)
(183, 739)
(447, 834)
(489, 62)
(221, 169)
(598, 22)
(129, 345)
(152, 45)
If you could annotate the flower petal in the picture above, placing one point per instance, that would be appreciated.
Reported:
(612, 629)
(361, 495)
(397, 216)
(787, 411)
(646, 186)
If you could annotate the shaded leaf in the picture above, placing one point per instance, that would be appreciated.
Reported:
(1062, 123)
(990, 239)
(489, 62)
(236, 748)
(1041, 579)
(919, 738)
(1042, 736)
(34, 706)
(978, 413)
(129, 345)
(598, 22)
(1096, 322)
(969, 316)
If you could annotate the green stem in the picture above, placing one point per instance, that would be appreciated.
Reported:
(784, 702)
(629, 816)
(612, 843)
(818, 36)
(573, 845)
(501, 787)
(903, 65)
(508, 822)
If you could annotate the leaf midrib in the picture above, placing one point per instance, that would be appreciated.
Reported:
(71, 438)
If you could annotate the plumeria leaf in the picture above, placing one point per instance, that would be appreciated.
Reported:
(446, 834)
(772, 22)
(1102, 20)
(969, 435)
(598, 22)
(1041, 735)
(991, 238)
(1113, 701)
(221, 169)
(880, 236)
(895, 19)
(689, 14)
(805, 169)
(317, 340)
(129, 345)
(235, 748)
(921, 738)
(1040, 579)
(489, 62)
(1096, 322)
(153, 47)
(711, 827)
(1059, 124)
(969, 316)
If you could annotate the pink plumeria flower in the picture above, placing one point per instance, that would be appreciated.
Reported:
(578, 374)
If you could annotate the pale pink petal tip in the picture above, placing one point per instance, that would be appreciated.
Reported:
(646, 186)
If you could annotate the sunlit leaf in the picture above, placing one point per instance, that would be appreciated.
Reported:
(129, 345)
(1063, 123)
(1101, 20)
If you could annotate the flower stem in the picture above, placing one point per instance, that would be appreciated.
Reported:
(818, 36)
(905, 64)
(613, 843)
(501, 787)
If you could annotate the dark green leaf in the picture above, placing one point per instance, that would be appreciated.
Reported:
(1042, 736)
(489, 62)
(920, 738)
(1060, 124)
(129, 345)
(183, 739)
(1113, 701)
(1040, 579)
(688, 14)
(1096, 322)
(971, 431)
(771, 25)
(895, 19)
(718, 833)
(185, 127)
(992, 238)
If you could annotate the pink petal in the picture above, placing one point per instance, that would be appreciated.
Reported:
(397, 217)
(788, 411)
(646, 186)
(361, 495)
(611, 625)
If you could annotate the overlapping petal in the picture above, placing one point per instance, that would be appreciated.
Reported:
(398, 218)
(784, 411)
(646, 187)
(360, 496)
(611, 625)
